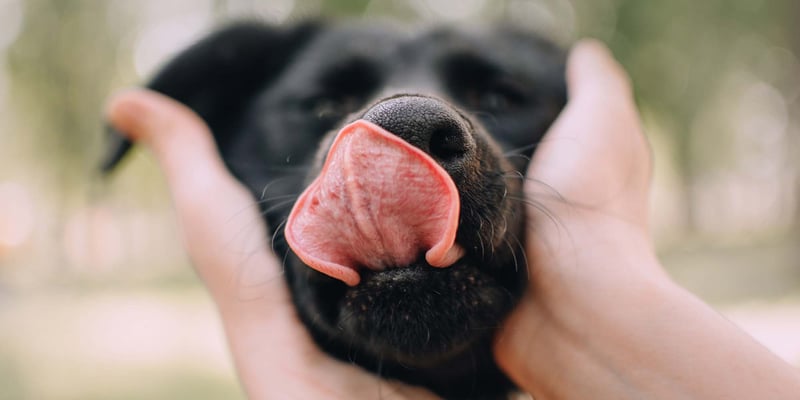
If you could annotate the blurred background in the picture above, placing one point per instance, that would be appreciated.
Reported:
(97, 300)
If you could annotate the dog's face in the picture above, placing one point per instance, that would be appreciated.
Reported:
(468, 107)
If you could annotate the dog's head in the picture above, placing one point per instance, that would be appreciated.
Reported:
(409, 151)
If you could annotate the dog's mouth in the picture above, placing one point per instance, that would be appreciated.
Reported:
(378, 203)
(409, 233)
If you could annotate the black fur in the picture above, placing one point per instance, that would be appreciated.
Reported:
(273, 96)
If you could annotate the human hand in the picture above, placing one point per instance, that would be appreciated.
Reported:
(583, 325)
(224, 235)
(601, 319)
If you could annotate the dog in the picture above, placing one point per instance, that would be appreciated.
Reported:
(404, 251)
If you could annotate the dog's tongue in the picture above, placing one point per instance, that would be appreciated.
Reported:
(379, 202)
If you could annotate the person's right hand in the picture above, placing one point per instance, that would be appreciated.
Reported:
(224, 236)
(601, 319)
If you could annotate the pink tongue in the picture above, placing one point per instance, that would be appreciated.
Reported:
(378, 202)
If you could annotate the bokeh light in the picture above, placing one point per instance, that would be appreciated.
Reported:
(12, 12)
(17, 216)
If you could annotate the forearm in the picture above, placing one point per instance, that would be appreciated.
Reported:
(630, 333)
(666, 347)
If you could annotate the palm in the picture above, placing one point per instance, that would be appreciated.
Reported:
(224, 236)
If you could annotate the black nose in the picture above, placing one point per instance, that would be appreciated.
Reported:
(425, 122)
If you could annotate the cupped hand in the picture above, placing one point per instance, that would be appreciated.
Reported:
(601, 319)
(589, 182)
(224, 235)
(587, 235)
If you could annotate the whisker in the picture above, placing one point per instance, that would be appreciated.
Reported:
(278, 206)
(380, 375)
(278, 230)
(515, 152)
(524, 256)
(269, 185)
(513, 174)
(513, 254)
(550, 190)
(522, 156)
(281, 197)
(491, 224)
(285, 255)
(480, 238)
(251, 167)
(538, 206)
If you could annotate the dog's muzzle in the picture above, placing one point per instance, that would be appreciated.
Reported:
(384, 198)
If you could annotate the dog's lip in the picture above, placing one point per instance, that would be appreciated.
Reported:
(443, 252)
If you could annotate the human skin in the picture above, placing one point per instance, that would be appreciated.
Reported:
(601, 318)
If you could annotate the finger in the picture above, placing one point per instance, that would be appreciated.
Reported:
(177, 136)
(595, 151)
(220, 223)
(593, 71)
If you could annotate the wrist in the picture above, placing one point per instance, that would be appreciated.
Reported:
(630, 333)
(581, 250)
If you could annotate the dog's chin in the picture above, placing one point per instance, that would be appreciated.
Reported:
(421, 316)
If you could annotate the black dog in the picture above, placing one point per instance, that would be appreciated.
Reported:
(469, 106)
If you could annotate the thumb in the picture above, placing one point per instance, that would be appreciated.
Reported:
(593, 73)
(180, 140)
(215, 212)
(595, 154)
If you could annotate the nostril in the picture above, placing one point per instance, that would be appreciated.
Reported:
(425, 122)
(447, 143)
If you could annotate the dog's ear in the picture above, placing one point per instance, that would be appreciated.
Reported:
(218, 76)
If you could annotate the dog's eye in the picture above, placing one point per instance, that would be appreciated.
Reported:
(494, 100)
(495, 97)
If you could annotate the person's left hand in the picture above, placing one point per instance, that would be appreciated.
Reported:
(224, 235)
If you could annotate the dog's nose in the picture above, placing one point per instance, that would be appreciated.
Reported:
(425, 122)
